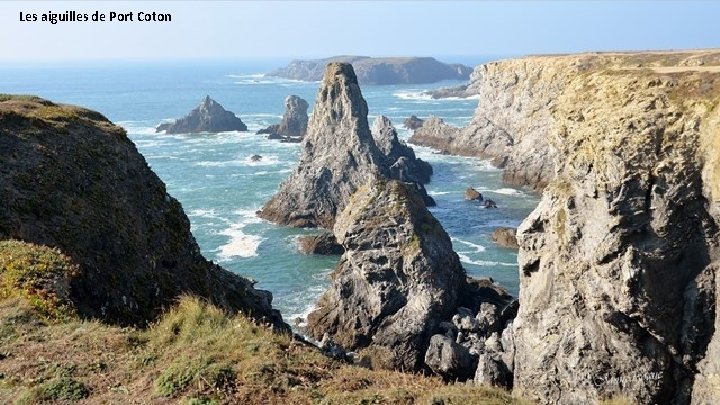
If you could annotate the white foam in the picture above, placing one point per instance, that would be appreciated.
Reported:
(507, 191)
(478, 248)
(247, 161)
(240, 244)
(416, 95)
(438, 192)
(466, 259)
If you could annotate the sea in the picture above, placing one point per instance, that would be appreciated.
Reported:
(221, 188)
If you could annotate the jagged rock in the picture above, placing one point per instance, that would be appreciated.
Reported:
(397, 280)
(72, 180)
(338, 155)
(209, 116)
(491, 371)
(413, 123)
(449, 359)
(505, 237)
(490, 204)
(323, 244)
(255, 158)
(487, 317)
(391, 70)
(404, 166)
(619, 260)
(436, 134)
(451, 92)
(293, 125)
(472, 194)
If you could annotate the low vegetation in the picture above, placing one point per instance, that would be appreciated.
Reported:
(195, 354)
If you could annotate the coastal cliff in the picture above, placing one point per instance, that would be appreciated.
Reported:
(516, 100)
(398, 70)
(619, 262)
(73, 181)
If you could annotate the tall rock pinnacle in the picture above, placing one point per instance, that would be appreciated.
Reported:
(339, 155)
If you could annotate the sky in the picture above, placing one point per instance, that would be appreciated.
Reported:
(296, 29)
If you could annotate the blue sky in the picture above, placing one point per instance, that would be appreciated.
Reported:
(245, 29)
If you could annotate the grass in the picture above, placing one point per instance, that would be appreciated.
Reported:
(195, 354)
(39, 274)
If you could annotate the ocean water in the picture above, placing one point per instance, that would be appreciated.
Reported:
(220, 188)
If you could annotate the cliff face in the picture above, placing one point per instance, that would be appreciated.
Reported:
(397, 280)
(339, 154)
(71, 179)
(515, 102)
(619, 261)
(412, 70)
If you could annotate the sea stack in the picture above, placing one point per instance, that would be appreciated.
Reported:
(294, 123)
(401, 159)
(209, 116)
(397, 280)
(339, 154)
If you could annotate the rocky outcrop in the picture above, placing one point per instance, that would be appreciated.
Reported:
(435, 133)
(72, 180)
(397, 280)
(505, 237)
(209, 116)
(339, 154)
(399, 157)
(323, 244)
(450, 92)
(619, 261)
(293, 125)
(473, 195)
(413, 122)
(369, 70)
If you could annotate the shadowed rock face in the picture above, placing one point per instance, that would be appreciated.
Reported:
(294, 121)
(209, 116)
(397, 279)
(400, 158)
(71, 179)
(338, 155)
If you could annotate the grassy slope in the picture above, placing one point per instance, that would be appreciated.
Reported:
(193, 354)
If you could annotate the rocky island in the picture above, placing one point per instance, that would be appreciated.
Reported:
(398, 70)
(293, 126)
(209, 116)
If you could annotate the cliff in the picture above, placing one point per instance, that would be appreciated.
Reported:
(209, 116)
(397, 70)
(72, 180)
(516, 99)
(619, 262)
(339, 154)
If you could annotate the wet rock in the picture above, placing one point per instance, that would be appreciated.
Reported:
(413, 122)
(490, 204)
(323, 244)
(472, 194)
(505, 237)
(255, 158)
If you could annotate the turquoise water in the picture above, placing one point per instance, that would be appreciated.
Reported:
(220, 188)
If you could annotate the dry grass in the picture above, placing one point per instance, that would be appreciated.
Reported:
(193, 354)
